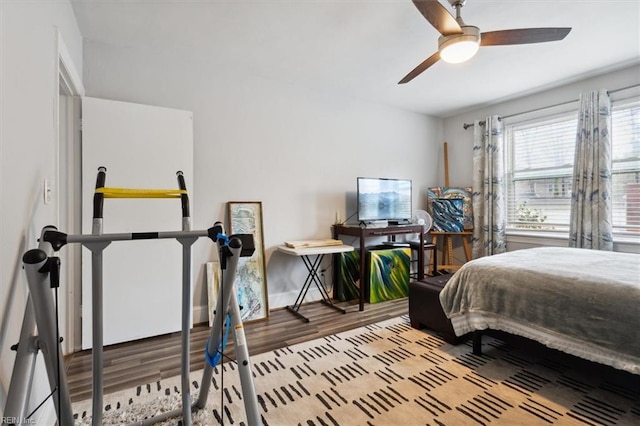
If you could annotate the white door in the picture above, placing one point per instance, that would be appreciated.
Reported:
(141, 147)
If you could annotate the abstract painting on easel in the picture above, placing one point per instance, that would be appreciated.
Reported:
(441, 221)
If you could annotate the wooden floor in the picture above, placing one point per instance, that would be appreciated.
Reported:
(144, 361)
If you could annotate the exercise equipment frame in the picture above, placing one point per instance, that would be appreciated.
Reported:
(40, 268)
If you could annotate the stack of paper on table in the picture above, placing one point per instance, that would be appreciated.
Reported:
(313, 243)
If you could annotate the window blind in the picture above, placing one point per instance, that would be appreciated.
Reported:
(625, 134)
(540, 156)
(540, 165)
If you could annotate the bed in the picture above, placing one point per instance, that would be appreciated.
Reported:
(582, 302)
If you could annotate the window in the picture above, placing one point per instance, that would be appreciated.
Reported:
(625, 134)
(540, 155)
(539, 171)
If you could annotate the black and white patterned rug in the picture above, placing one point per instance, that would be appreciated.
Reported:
(391, 374)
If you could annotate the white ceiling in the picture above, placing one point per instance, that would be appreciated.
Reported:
(362, 48)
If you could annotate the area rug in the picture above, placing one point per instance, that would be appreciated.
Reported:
(391, 374)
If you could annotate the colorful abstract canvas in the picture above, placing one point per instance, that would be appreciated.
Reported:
(389, 274)
(447, 214)
(348, 284)
(463, 193)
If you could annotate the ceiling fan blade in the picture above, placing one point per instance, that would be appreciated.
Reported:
(420, 68)
(438, 16)
(522, 36)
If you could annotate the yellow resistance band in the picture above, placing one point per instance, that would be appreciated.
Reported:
(140, 193)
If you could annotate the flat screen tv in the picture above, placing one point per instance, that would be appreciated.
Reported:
(384, 199)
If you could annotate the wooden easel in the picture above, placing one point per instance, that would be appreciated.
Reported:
(447, 237)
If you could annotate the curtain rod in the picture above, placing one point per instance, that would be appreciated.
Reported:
(482, 123)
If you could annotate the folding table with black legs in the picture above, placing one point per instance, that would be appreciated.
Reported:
(312, 258)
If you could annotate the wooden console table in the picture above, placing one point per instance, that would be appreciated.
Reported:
(363, 234)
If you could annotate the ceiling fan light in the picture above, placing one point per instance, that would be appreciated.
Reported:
(457, 48)
(459, 51)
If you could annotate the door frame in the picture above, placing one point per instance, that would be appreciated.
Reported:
(68, 198)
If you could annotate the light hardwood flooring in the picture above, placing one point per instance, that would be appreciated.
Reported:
(144, 361)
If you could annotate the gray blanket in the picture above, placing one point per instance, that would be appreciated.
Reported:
(584, 302)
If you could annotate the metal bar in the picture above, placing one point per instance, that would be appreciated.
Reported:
(244, 366)
(93, 238)
(22, 374)
(44, 311)
(313, 269)
(186, 242)
(39, 315)
(184, 198)
(222, 306)
(97, 339)
(98, 198)
(186, 328)
(467, 125)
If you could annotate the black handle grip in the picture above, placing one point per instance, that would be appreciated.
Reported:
(98, 198)
(184, 198)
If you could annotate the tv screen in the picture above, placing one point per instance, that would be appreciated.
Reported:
(384, 199)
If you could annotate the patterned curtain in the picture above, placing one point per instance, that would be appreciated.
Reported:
(489, 207)
(590, 225)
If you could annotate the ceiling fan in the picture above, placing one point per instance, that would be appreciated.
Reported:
(459, 41)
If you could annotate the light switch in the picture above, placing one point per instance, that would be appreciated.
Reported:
(48, 188)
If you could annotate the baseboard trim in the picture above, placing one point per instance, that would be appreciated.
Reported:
(201, 314)
(279, 300)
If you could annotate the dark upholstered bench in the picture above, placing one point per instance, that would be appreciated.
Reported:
(425, 309)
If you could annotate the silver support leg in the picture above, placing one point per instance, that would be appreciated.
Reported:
(186, 328)
(27, 350)
(224, 296)
(244, 365)
(96, 243)
(227, 302)
(44, 311)
(40, 318)
(97, 339)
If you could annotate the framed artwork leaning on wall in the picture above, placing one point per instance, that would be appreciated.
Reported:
(245, 217)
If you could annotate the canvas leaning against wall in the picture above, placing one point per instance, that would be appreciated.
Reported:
(213, 287)
(245, 217)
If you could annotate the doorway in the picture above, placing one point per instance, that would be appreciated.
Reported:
(67, 190)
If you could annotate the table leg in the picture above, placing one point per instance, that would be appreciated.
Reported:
(434, 271)
(313, 276)
(313, 268)
(295, 308)
(363, 272)
(421, 258)
(434, 241)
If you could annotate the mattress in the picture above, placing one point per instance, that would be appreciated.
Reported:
(582, 302)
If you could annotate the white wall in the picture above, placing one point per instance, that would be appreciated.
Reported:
(28, 79)
(297, 151)
(460, 141)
